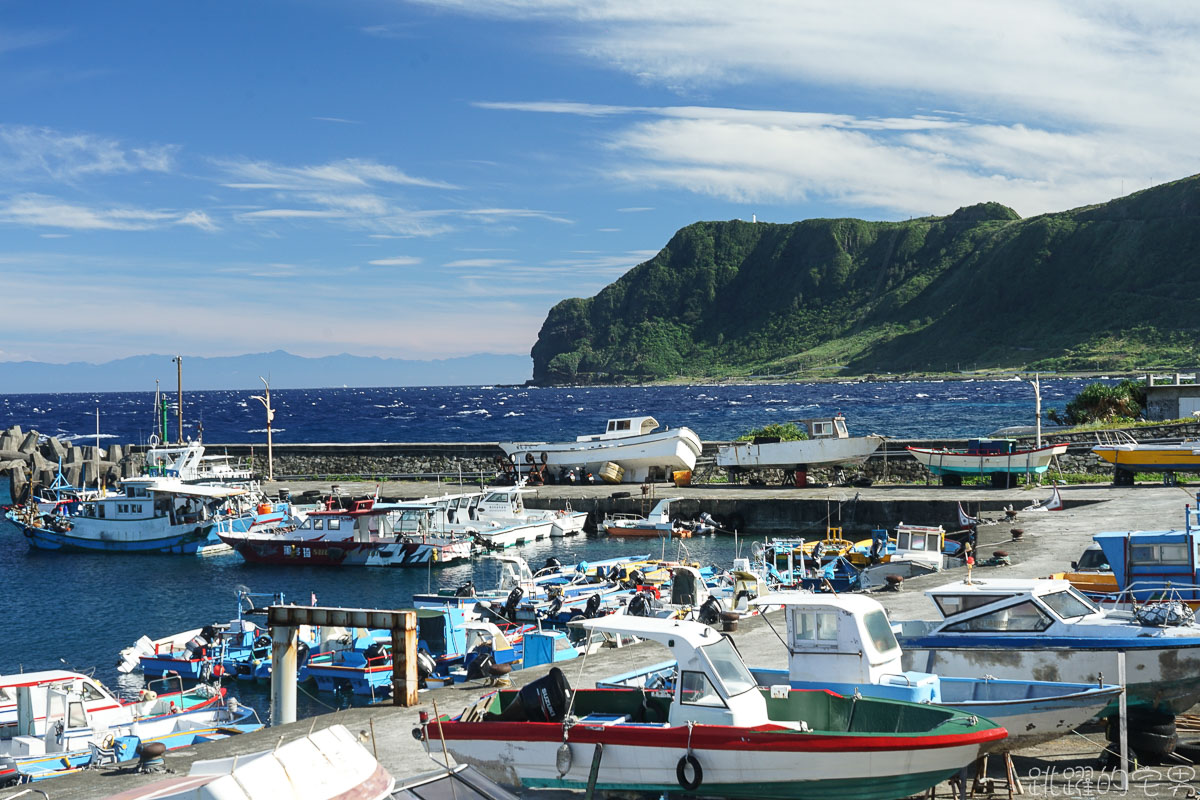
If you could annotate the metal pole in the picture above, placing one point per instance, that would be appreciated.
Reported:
(179, 383)
(1123, 710)
(283, 674)
(265, 399)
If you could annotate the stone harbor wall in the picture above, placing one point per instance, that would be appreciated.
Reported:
(27, 457)
(30, 455)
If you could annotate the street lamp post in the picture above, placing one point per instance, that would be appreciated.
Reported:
(266, 401)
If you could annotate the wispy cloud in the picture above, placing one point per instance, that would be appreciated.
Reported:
(11, 40)
(521, 213)
(347, 172)
(397, 261)
(635, 209)
(34, 210)
(30, 152)
(479, 262)
(338, 120)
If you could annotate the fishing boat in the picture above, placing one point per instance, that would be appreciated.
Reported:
(828, 444)
(63, 721)
(369, 533)
(1129, 456)
(657, 523)
(715, 733)
(188, 463)
(1016, 629)
(505, 508)
(150, 515)
(914, 550)
(329, 764)
(635, 447)
(1001, 459)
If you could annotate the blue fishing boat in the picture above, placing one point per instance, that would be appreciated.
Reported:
(1155, 565)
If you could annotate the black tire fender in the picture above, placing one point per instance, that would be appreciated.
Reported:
(681, 773)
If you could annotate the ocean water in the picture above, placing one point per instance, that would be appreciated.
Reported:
(905, 410)
(82, 610)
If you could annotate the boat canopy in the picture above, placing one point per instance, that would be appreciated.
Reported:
(159, 486)
(629, 426)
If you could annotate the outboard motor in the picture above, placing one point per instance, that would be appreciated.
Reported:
(639, 605)
(593, 606)
(377, 654)
(425, 666)
(301, 654)
(510, 605)
(544, 700)
(555, 606)
(710, 611)
(465, 590)
(552, 563)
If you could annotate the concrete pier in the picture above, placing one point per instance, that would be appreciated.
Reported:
(1050, 541)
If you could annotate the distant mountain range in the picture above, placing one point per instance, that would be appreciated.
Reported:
(284, 370)
(1105, 287)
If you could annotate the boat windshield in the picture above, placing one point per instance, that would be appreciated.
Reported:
(1067, 604)
(729, 667)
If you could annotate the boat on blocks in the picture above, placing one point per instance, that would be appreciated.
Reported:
(1019, 628)
(715, 734)
(635, 447)
(1001, 459)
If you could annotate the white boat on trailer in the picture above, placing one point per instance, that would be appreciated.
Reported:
(635, 444)
(828, 444)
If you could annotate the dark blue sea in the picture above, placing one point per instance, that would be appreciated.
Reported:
(82, 609)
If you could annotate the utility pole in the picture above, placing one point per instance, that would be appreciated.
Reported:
(1037, 393)
(266, 401)
(179, 379)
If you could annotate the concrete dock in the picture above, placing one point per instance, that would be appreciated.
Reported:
(1050, 541)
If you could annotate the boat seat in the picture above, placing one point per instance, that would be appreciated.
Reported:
(597, 718)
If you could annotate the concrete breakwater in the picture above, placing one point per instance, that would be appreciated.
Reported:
(29, 458)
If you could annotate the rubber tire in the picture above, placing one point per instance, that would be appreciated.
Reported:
(681, 774)
(951, 480)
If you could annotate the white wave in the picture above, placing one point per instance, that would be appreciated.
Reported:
(958, 398)
(75, 437)
(514, 414)
(922, 394)
(471, 413)
(264, 430)
(801, 408)
(769, 410)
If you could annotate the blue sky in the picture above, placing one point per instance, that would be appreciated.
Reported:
(426, 179)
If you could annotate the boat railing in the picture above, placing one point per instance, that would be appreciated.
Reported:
(1168, 590)
(1115, 438)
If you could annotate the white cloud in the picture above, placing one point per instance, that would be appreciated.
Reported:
(338, 120)
(350, 172)
(34, 210)
(29, 152)
(479, 262)
(398, 261)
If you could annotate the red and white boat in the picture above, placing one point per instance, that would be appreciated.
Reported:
(709, 730)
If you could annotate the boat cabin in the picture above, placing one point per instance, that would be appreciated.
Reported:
(991, 447)
(1006, 606)
(189, 464)
(714, 686)
(624, 428)
(825, 427)
(1155, 564)
(687, 587)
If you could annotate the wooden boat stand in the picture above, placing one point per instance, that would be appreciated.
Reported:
(981, 784)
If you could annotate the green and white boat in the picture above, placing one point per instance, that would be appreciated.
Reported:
(713, 733)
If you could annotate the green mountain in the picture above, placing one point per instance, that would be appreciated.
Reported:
(1106, 287)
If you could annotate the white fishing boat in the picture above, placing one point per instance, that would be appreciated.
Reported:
(657, 523)
(189, 463)
(637, 450)
(914, 550)
(1015, 629)
(151, 515)
(828, 444)
(714, 733)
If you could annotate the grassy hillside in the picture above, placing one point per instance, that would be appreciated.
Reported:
(1112, 286)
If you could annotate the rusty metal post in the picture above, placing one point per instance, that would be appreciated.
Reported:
(283, 674)
(404, 660)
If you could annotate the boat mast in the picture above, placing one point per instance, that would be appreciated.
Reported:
(179, 382)
(1037, 394)
(96, 451)
(266, 401)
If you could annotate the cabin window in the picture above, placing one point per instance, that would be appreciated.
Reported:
(100, 509)
(6, 695)
(75, 716)
(879, 631)
(335, 524)
(816, 627)
(91, 692)
(622, 424)
(1176, 554)
(951, 604)
(612, 424)
(1067, 605)
(840, 424)
(1024, 617)
(318, 524)
(729, 667)
(562, 643)
(695, 688)
(306, 525)
(821, 429)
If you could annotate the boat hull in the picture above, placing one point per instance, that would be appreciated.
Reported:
(949, 462)
(1163, 458)
(515, 535)
(185, 541)
(671, 450)
(811, 452)
(1164, 678)
(735, 762)
(345, 553)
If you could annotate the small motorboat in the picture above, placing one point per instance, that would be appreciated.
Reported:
(715, 732)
